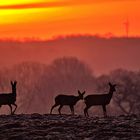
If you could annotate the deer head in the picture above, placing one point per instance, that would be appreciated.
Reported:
(112, 87)
(81, 95)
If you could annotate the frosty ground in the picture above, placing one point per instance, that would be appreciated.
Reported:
(67, 127)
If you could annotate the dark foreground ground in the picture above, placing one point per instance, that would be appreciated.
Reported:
(66, 127)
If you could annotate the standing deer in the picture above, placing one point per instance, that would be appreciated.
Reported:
(9, 98)
(103, 100)
(69, 100)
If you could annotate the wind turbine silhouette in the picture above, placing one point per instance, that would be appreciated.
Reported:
(126, 24)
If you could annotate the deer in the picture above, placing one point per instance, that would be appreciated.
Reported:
(9, 98)
(102, 99)
(68, 100)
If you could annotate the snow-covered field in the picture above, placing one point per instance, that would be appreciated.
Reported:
(67, 127)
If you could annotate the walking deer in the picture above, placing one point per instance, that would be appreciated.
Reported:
(69, 100)
(9, 98)
(103, 100)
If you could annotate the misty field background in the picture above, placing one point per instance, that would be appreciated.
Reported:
(101, 54)
(38, 84)
(44, 69)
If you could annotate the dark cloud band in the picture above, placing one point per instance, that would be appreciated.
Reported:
(33, 5)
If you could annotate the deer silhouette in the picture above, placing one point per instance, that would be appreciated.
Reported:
(102, 99)
(69, 100)
(9, 98)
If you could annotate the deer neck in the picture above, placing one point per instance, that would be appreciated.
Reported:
(77, 98)
(110, 93)
(14, 91)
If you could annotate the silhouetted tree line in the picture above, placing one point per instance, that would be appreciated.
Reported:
(38, 84)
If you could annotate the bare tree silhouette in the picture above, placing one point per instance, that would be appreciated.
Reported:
(63, 76)
(129, 87)
(38, 84)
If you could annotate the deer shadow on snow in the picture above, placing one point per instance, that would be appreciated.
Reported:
(9, 98)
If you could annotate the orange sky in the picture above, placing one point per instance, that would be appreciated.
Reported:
(48, 18)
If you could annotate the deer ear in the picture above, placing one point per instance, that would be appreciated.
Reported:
(79, 92)
(15, 82)
(83, 93)
(11, 83)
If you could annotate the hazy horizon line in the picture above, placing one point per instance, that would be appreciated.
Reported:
(28, 39)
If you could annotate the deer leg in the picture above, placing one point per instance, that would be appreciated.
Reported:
(104, 110)
(15, 108)
(53, 108)
(72, 110)
(59, 109)
(10, 108)
(86, 111)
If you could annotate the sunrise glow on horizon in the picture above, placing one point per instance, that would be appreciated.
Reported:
(49, 18)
